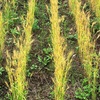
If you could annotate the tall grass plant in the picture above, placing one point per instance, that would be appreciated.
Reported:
(62, 64)
(2, 33)
(87, 51)
(17, 62)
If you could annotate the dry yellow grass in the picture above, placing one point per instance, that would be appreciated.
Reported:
(29, 23)
(95, 4)
(2, 33)
(62, 64)
(84, 36)
(87, 51)
(16, 69)
(17, 62)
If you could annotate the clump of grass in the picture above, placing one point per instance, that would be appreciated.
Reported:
(6, 14)
(16, 69)
(2, 33)
(29, 23)
(9, 14)
(14, 3)
(62, 64)
(96, 61)
(17, 62)
(87, 51)
(2, 38)
(95, 4)
(84, 36)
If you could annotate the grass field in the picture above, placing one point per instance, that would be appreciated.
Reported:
(49, 50)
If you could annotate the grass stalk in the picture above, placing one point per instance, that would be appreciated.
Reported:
(61, 63)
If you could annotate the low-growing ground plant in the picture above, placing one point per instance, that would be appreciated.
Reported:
(83, 92)
(1, 70)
